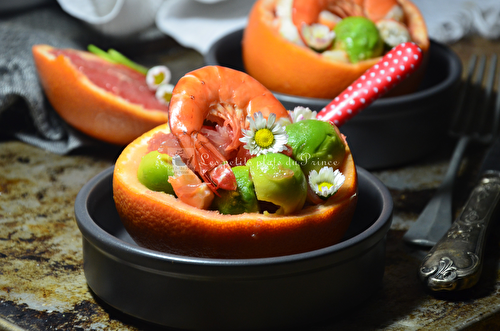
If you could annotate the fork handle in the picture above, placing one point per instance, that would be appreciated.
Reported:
(455, 262)
(436, 217)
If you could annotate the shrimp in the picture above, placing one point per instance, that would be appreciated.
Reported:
(223, 96)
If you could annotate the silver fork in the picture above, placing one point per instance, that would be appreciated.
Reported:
(469, 123)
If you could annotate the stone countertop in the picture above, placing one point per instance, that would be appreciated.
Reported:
(42, 284)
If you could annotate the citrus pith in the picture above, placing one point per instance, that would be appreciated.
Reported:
(161, 222)
(100, 113)
(285, 67)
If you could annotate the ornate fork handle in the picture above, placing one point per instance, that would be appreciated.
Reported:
(455, 262)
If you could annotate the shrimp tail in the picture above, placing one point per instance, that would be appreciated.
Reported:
(207, 161)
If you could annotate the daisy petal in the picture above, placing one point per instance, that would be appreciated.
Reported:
(326, 182)
(272, 139)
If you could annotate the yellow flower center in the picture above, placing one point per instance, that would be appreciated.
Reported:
(159, 78)
(264, 138)
(324, 186)
(167, 97)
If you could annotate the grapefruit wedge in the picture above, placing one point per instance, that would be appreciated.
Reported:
(285, 67)
(107, 101)
(160, 221)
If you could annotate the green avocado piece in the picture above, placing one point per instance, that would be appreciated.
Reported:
(154, 170)
(279, 179)
(243, 199)
(359, 37)
(315, 144)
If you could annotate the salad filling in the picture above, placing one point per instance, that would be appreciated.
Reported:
(344, 32)
(282, 167)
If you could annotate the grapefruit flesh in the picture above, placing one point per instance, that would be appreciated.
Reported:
(120, 80)
(161, 222)
(107, 101)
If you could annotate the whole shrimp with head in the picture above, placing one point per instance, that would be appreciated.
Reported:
(208, 110)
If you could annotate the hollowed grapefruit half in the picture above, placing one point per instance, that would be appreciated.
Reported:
(285, 67)
(161, 222)
(107, 101)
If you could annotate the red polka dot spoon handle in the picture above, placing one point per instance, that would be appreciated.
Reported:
(394, 67)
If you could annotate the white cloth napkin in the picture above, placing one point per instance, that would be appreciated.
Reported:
(198, 24)
(450, 20)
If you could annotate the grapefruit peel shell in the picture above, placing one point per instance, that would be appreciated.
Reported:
(87, 107)
(161, 222)
(285, 67)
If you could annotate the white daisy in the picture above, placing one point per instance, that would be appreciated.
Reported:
(264, 136)
(302, 113)
(327, 182)
(157, 76)
(317, 36)
(164, 93)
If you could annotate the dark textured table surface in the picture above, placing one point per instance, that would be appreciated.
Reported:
(43, 287)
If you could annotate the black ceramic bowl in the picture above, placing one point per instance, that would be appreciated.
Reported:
(392, 131)
(200, 293)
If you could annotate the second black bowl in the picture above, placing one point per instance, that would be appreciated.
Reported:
(392, 131)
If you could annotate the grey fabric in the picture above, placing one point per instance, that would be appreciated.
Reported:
(25, 113)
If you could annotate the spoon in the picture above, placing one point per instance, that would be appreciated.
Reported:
(391, 70)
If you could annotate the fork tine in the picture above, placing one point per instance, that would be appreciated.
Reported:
(485, 130)
(456, 122)
(496, 115)
(473, 101)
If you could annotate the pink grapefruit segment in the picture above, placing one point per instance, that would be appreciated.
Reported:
(107, 101)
